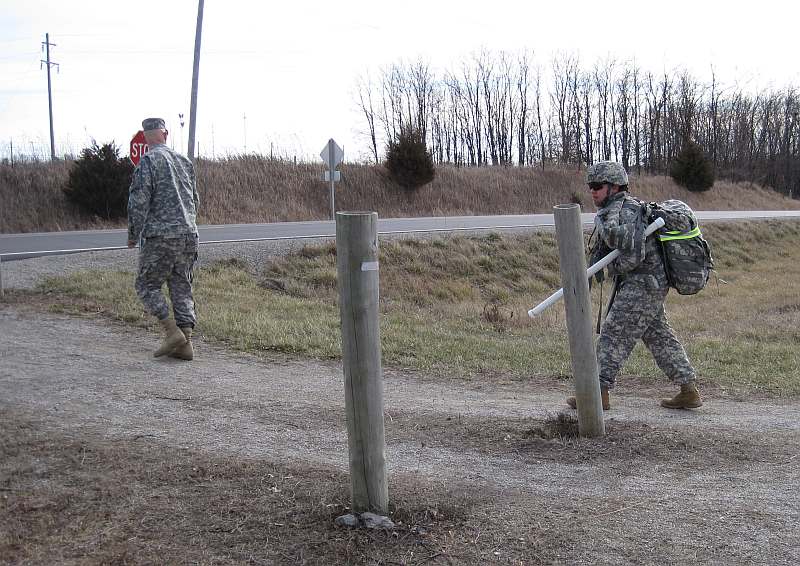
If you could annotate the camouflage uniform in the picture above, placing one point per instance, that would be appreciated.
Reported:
(638, 307)
(162, 213)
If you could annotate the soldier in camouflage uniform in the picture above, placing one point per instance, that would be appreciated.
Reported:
(162, 213)
(641, 285)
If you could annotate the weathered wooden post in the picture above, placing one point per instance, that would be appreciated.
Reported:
(357, 267)
(572, 263)
(2, 291)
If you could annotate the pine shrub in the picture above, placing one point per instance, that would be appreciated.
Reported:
(692, 169)
(98, 181)
(408, 160)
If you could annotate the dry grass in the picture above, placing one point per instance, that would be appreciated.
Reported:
(457, 306)
(31, 200)
(250, 188)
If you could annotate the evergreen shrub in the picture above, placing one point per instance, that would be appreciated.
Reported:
(98, 181)
(408, 160)
(692, 169)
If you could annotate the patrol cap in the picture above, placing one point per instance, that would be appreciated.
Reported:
(607, 172)
(153, 124)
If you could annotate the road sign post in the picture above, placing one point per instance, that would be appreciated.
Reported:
(138, 147)
(332, 155)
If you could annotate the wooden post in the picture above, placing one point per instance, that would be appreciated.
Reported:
(2, 291)
(572, 262)
(357, 267)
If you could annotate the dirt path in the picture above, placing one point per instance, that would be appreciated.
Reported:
(716, 485)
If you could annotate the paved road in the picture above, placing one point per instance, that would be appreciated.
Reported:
(20, 246)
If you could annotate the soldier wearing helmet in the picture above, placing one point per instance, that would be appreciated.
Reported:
(636, 309)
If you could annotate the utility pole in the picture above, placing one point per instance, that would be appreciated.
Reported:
(46, 46)
(195, 73)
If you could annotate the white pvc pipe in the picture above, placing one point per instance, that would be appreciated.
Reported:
(555, 297)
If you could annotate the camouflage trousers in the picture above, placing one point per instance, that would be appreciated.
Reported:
(169, 259)
(638, 313)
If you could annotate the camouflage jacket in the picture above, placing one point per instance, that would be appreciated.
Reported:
(162, 199)
(620, 225)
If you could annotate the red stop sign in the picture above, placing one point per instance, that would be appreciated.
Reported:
(138, 147)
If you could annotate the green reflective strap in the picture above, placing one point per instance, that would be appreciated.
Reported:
(676, 235)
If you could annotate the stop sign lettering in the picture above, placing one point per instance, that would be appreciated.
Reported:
(138, 147)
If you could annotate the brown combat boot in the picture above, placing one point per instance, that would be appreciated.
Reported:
(172, 339)
(185, 352)
(688, 398)
(603, 396)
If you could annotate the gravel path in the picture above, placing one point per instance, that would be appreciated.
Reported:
(716, 485)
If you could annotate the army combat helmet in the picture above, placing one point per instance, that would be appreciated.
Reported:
(609, 172)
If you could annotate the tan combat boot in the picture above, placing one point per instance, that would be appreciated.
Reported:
(603, 396)
(185, 352)
(172, 339)
(688, 398)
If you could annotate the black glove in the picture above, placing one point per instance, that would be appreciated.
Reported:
(657, 213)
(600, 276)
(598, 252)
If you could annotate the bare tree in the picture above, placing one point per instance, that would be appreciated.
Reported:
(623, 114)
(538, 90)
(565, 67)
(364, 87)
(472, 90)
(637, 118)
(523, 85)
(602, 81)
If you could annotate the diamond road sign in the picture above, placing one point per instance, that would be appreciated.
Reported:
(332, 154)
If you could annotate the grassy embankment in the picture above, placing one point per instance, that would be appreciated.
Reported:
(257, 189)
(456, 307)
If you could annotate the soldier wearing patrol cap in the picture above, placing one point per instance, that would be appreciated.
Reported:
(162, 215)
(640, 287)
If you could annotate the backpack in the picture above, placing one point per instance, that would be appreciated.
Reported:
(686, 254)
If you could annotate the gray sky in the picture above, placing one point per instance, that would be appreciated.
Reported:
(283, 74)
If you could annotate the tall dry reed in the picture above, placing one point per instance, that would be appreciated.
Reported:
(31, 200)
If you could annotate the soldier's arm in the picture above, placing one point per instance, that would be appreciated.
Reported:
(613, 228)
(195, 194)
(139, 195)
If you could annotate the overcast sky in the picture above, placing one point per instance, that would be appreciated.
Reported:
(282, 75)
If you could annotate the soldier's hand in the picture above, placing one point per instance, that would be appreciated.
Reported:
(600, 276)
(598, 253)
(657, 213)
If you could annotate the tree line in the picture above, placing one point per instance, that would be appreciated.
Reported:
(505, 109)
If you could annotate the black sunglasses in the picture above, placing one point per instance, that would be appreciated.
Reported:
(596, 186)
